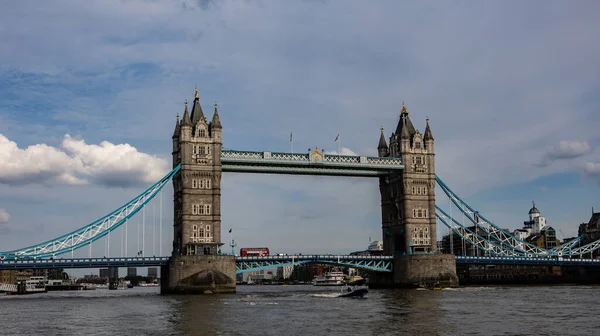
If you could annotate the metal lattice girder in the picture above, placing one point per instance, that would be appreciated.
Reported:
(84, 262)
(472, 237)
(372, 263)
(307, 164)
(527, 261)
(565, 249)
(591, 247)
(494, 232)
(93, 231)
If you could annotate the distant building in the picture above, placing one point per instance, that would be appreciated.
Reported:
(131, 271)
(152, 272)
(374, 248)
(591, 231)
(103, 273)
(8, 277)
(284, 272)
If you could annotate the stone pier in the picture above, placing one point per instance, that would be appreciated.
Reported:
(198, 274)
(410, 270)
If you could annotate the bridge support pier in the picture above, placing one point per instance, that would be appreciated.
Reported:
(113, 278)
(198, 274)
(410, 270)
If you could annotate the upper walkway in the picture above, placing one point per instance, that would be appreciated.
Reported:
(315, 162)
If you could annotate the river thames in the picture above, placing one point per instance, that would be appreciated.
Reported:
(307, 310)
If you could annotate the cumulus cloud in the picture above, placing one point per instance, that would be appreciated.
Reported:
(76, 162)
(4, 216)
(565, 150)
(592, 169)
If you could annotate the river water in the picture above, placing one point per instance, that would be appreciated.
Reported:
(307, 310)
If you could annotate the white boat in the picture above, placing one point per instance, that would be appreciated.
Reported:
(330, 279)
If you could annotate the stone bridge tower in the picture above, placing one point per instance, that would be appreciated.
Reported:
(197, 147)
(408, 197)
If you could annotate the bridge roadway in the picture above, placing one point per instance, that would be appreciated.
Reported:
(249, 264)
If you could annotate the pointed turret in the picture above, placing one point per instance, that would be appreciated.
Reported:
(428, 135)
(186, 116)
(382, 147)
(197, 113)
(404, 130)
(216, 122)
(409, 126)
(177, 128)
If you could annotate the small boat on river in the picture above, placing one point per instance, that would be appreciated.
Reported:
(359, 292)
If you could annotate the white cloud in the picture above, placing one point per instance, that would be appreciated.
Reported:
(592, 169)
(343, 151)
(4, 216)
(75, 162)
(565, 150)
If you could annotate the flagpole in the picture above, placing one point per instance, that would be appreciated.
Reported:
(339, 146)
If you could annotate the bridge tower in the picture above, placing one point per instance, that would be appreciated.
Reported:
(197, 264)
(408, 208)
(197, 147)
(408, 197)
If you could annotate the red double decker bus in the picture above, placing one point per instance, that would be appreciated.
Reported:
(254, 251)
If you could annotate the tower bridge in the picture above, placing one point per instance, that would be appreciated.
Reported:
(404, 169)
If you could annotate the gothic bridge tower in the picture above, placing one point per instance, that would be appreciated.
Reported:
(408, 197)
(408, 211)
(197, 147)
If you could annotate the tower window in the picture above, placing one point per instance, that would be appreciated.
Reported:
(202, 133)
(195, 149)
(202, 150)
(201, 184)
(194, 183)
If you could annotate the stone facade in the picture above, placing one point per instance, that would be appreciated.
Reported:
(197, 147)
(408, 197)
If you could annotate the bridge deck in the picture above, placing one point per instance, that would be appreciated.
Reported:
(313, 163)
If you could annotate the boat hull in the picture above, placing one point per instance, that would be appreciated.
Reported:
(361, 292)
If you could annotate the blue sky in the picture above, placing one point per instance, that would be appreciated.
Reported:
(511, 89)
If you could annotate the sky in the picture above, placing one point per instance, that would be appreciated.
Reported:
(89, 93)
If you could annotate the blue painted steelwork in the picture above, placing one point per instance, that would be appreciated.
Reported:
(506, 239)
(93, 231)
(313, 163)
(473, 238)
(372, 263)
(527, 261)
(84, 263)
(492, 230)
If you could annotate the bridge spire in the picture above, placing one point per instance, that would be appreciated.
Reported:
(428, 135)
(177, 127)
(382, 147)
(216, 122)
(186, 116)
(405, 120)
(197, 113)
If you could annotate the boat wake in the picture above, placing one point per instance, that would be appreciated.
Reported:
(325, 295)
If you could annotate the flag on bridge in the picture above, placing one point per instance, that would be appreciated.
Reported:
(336, 138)
(229, 230)
(290, 136)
